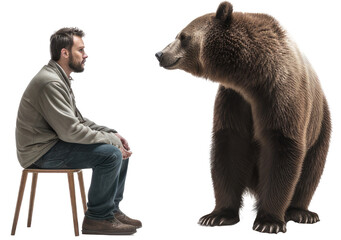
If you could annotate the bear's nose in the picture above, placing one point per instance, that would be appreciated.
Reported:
(158, 55)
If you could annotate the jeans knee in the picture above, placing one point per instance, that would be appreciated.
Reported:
(117, 154)
(113, 155)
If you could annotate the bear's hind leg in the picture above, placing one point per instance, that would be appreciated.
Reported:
(231, 166)
(311, 173)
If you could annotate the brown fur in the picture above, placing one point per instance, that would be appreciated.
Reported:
(271, 120)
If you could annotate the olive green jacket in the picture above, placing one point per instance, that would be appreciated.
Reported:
(47, 113)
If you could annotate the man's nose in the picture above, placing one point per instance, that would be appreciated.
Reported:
(158, 55)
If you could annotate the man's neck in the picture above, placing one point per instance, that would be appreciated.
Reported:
(65, 67)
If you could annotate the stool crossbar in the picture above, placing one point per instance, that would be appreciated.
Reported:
(70, 175)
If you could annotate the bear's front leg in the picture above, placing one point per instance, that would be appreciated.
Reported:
(279, 169)
(229, 171)
(232, 156)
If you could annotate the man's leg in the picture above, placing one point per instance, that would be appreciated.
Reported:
(106, 161)
(121, 183)
(119, 196)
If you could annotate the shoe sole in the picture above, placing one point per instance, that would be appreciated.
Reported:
(107, 232)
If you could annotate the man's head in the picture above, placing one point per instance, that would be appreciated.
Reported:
(67, 48)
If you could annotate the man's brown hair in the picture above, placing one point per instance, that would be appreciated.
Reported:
(63, 38)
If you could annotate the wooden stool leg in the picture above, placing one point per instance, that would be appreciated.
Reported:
(33, 194)
(20, 196)
(81, 187)
(73, 202)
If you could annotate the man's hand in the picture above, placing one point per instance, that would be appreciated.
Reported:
(125, 153)
(123, 141)
(125, 150)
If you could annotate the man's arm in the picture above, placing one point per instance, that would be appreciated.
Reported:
(125, 150)
(56, 108)
(96, 127)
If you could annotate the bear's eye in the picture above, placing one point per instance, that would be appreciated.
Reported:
(182, 37)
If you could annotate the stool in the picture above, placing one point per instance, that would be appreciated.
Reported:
(71, 181)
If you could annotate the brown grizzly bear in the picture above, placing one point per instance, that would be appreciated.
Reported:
(271, 120)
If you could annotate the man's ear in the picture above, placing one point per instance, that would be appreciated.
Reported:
(64, 53)
(224, 12)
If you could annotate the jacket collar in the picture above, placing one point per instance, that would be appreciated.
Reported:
(60, 71)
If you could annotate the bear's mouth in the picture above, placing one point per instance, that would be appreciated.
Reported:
(169, 66)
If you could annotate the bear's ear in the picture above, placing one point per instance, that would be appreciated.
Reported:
(224, 12)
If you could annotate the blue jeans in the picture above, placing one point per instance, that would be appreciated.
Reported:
(108, 173)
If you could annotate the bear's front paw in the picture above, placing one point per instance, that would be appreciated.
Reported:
(220, 218)
(268, 224)
(301, 216)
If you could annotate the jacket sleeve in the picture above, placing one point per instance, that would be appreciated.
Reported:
(55, 106)
(94, 126)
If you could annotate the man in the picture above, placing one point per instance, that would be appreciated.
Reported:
(51, 133)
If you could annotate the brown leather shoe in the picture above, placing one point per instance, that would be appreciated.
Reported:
(127, 220)
(106, 227)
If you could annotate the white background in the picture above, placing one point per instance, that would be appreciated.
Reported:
(165, 115)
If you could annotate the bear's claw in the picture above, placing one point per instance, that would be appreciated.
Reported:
(269, 228)
(267, 223)
(301, 216)
(219, 218)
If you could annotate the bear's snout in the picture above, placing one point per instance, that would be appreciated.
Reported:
(167, 60)
(158, 55)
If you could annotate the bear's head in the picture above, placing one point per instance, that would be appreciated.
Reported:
(186, 52)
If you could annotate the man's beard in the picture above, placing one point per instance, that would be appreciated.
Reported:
(75, 67)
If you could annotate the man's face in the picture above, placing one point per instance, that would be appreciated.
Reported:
(77, 55)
